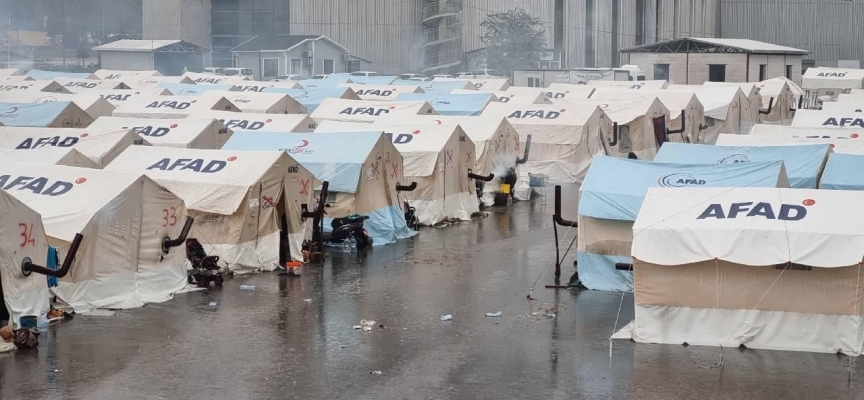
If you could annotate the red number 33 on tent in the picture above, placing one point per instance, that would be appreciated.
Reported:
(169, 217)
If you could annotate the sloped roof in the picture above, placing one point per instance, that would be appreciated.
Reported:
(150, 46)
(713, 45)
(280, 42)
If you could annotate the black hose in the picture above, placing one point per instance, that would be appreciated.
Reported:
(557, 216)
(403, 188)
(168, 243)
(524, 158)
(487, 178)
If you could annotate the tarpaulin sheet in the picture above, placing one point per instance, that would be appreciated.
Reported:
(452, 104)
(843, 172)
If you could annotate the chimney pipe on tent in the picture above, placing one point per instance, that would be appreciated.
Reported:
(524, 158)
(168, 243)
(322, 200)
(556, 218)
(770, 107)
(683, 127)
(404, 188)
(481, 177)
(27, 265)
(614, 142)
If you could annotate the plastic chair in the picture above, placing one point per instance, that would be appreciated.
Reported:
(538, 185)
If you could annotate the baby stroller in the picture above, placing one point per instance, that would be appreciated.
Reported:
(204, 268)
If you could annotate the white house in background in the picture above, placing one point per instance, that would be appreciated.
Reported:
(270, 56)
(694, 61)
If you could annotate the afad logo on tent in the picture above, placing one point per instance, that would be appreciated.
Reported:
(401, 138)
(680, 180)
(38, 184)
(152, 130)
(372, 111)
(844, 122)
(148, 82)
(786, 212)
(734, 159)
(302, 147)
(241, 99)
(177, 105)
(245, 124)
(525, 114)
(199, 165)
(376, 92)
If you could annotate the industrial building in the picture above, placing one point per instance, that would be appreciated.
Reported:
(429, 35)
(694, 61)
(169, 57)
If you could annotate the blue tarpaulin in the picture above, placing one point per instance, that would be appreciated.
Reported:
(373, 80)
(36, 115)
(843, 172)
(452, 104)
(434, 87)
(337, 158)
(614, 190)
(40, 75)
(615, 187)
(189, 89)
(310, 98)
(803, 163)
(332, 81)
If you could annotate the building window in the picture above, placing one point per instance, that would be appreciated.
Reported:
(806, 64)
(788, 72)
(717, 72)
(352, 66)
(533, 82)
(661, 72)
(329, 67)
(271, 67)
(763, 72)
(295, 66)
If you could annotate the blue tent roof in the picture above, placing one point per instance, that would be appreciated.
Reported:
(36, 115)
(843, 172)
(373, 80)
(309, 98)
(451, 104)
(803, 163)
(40, 75)
(190, 89)
(615, 187)
(335, 157)
(434, 87)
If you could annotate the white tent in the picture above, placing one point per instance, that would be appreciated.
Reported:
(778, 96)
(496, 144)
(210, 79)
(255, 86)
(557, 91)
(11, 72)
(94, 105)
(483, 85)
(516, 95)
(33, 86)
(438, 158)
(15, 78)
(101, 147)
(136, 82)
(192, 132)
(676, 102)
(22, 236)
(368, 111)
(120, 96)
(262, 103)
(261, 122)
(845, 141)
(754, 98)
(52, 114)
(641, 123)
(725, 109)
(844, 116)
(380, 92)
(50, 155)
(123, 218)
(631, 85)
(83, 85)
(563, 139)
(236, 197)
(117, 75)
(761, 267)
(832, 79)
(846, 100)
(172, 106)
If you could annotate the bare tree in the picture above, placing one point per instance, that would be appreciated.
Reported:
(513, 40)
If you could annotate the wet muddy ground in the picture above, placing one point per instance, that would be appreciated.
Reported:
(293, 338)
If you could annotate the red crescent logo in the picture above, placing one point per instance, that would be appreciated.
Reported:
(232, 158)
(392, 107)
(832, 145)
(562, 110)
(809, 202)
(268, 121)
(438, 121)
(85, 134)
(854, 136)
(303, 143)
(193, 101)
(416, 132)
(173, 126)
(80, 180)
